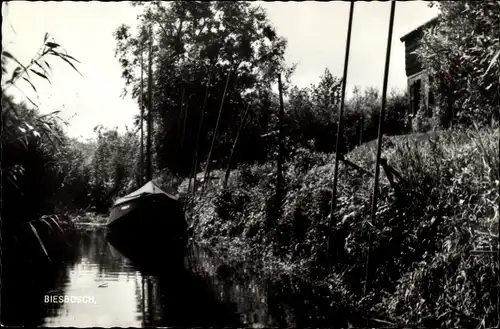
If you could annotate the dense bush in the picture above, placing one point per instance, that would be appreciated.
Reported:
(113, 166)
(312, 115)
(45, 172)
(461, 55)
(40, 164)
(35, 156)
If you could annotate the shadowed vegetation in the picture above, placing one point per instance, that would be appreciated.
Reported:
(215, 115)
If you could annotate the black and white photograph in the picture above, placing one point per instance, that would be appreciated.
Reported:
(250, 164)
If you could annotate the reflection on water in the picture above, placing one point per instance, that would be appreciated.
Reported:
(114, 291)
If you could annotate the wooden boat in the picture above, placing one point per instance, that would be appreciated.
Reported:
(147, 215)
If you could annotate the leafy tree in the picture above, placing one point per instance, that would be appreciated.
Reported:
(200, 44)
(302, 121)
(461, 54)
(326, 95)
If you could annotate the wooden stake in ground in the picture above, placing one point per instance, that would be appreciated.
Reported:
(339, 131)
(379, 146)
(242, 123)
(141, 167)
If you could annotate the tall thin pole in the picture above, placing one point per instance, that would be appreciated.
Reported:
(340, 130)
(185, 122)
(141, 167)
(150, 105)
(228, 170)
(379, 143)
(279, 180)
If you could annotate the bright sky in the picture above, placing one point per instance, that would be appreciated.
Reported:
(316, 34)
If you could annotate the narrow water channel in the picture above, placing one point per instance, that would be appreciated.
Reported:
(104, 288)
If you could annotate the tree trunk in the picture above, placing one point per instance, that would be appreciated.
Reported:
(361, 123)
(279, 178)
(196, 148)
(181, 112)
(184, 124)
(209, 159)
(180, 121)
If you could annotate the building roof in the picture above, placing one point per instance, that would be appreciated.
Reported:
(419, 29)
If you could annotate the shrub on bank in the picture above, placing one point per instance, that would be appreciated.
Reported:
(34, 169)
(308, 119)
(425, 238)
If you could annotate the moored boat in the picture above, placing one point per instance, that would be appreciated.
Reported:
(148, 215)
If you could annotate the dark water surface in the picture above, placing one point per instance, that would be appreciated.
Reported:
(108, 289)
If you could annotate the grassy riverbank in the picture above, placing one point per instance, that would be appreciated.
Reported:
(430, 264)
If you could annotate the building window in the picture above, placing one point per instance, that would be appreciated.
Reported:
(415, 89)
